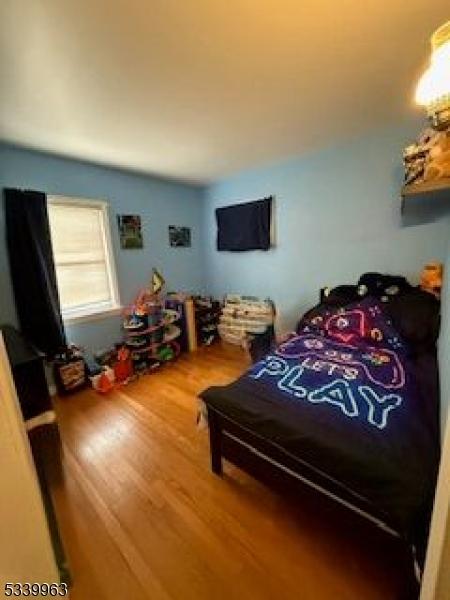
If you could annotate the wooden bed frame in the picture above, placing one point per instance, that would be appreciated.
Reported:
(275, 466)
(278, 468)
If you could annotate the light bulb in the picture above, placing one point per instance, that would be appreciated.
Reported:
(433, 89)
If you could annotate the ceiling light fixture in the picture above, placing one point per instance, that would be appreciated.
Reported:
(433, 89)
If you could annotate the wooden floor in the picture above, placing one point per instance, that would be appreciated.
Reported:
(142, 516)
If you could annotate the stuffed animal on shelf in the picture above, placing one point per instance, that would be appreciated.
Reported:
(415, 156)
(431, 278)
(438, 161)
(429, 158)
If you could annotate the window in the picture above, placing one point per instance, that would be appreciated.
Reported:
(83, 257)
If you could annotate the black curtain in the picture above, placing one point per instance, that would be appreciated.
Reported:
(32, 269)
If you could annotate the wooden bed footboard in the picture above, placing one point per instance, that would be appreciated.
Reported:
(274, 466)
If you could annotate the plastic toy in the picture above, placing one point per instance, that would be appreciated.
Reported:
(165, 353)
(149, 329)
(69, 370)
(134, 323)
(157, 282)
(438, 163)
(429, 158)
(431, 278)
(104, 382)
(123, 368)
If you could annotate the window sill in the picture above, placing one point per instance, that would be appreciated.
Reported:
(91, 315)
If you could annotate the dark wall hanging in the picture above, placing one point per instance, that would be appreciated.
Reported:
(32, 269)
(179, 237)
(244, 226)
(130, 231)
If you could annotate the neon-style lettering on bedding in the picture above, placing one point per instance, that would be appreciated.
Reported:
(337, 392)
(277, 366)
(363, 400)
(289, 383)
(380, 365)
(330, 368)
(379, 406)
(273, 366)
(347, 326)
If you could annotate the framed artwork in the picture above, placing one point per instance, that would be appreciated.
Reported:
(130, 231)
(179, 237)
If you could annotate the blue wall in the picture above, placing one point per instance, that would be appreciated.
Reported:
(159, 202)
(337, 215)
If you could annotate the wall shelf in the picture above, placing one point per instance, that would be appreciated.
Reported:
(427, 190)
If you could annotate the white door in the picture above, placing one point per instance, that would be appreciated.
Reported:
(26, 553)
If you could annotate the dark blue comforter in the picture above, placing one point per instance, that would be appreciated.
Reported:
(348, 395)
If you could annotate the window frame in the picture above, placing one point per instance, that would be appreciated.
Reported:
(97, 310)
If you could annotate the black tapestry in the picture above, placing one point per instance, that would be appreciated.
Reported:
(32, 269)
(244, 226)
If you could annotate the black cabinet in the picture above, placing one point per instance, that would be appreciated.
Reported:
(27, 365)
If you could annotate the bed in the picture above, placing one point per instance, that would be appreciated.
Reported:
(348, 405)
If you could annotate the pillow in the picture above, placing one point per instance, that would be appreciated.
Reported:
(381, 285)
(341, 295)
(335, 297)
(416, 316)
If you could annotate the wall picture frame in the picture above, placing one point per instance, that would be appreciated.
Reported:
(179, 237)
(130, 232)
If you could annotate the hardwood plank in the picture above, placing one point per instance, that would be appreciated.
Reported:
(93, 552)
(142, 516)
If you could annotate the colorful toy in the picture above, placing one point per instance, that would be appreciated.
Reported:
(431, 278)
(123, 368)
(438, 163)
(165, 353)
(134, 323)
(104, 382)
(157, 282)
(150, 329)
(69, 370)
(429, 158)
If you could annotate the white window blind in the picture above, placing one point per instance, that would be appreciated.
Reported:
(83, 256)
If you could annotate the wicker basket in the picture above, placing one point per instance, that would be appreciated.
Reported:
(243, 316)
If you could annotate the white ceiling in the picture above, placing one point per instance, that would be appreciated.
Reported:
(196, 89)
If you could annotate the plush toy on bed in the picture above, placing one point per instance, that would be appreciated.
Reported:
(431, 278)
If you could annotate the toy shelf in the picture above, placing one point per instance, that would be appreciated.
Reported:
(168, 338)
(143, 350)
(171, 333)
(170, 316)
(137, 333)
(426, 190)
(172, 344)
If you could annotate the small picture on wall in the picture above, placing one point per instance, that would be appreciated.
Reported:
(130, 231)
(180, 237)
